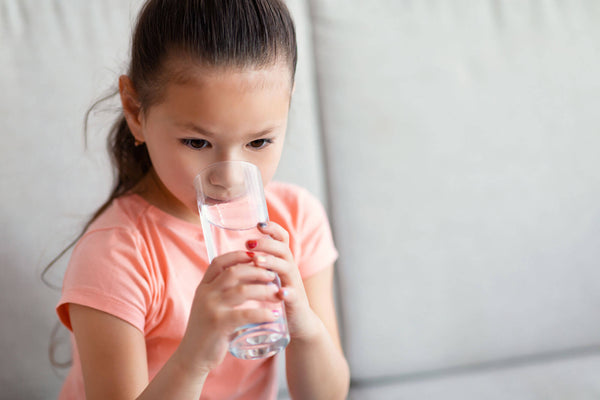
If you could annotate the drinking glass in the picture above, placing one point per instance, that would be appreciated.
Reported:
(231, 203)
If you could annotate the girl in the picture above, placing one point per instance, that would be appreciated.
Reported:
(209, 80)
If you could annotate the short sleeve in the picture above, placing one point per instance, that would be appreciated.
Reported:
(107, 271)
(316, 247)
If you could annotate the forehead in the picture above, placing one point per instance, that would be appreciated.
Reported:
(226, 100)
(180, 70)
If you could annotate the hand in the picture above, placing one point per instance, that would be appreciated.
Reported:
(230, 280)
(274, 253)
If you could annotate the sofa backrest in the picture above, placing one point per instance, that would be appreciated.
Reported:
(463, 166)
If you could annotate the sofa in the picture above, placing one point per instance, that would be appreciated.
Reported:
(455, 144)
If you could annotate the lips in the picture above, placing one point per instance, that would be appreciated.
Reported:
(212, 201)
(219, 195)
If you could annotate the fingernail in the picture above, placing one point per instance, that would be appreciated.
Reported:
(261, 260)
(250, 254)
(276, 313)
(285, 292)
(262, 225)
(251, 244)
(272, 274)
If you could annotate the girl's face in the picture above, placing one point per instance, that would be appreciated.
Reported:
(213, 116)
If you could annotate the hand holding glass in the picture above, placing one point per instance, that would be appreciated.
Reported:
(231, 203)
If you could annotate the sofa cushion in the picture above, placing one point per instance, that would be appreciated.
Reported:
(547, 379)
(463, 167)
(56, 58)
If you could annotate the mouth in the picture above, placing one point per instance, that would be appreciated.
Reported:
(210, 201)
(224, 198)
(219, 195)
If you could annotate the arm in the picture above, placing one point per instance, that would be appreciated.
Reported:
(315, 364)
(318, 358)
(113, 360)
(113, 352)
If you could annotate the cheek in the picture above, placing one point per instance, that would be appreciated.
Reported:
(268, 166)
(176, 170)
(268, 172)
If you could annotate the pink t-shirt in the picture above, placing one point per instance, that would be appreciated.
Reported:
(143, 265)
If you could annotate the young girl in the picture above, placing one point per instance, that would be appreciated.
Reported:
(209, 80)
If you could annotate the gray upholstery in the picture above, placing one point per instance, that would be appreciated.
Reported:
(462, 141)
(456, 145)
(548, 379)
(56, 58)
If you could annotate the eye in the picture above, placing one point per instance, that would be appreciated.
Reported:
(259, 143)
(195, 144)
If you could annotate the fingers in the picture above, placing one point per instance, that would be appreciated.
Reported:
(243, 316)
(242, 282)
(277, 244)
(244, 273)
(271, 262)
(240, 294)
(274, 253)
(235, 279)
(220, 263)
(287, 275)
(247, 303)
(275, 231)
(233, 293)
(239, 287)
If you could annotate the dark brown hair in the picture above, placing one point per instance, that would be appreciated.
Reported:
(232, 34)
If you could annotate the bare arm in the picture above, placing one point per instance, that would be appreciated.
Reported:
(317, 357)
(113, 360)
(315, 364)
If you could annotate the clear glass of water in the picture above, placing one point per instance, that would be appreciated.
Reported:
(231, 203)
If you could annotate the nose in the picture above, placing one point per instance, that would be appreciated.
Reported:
(225, 181)
(226, 175)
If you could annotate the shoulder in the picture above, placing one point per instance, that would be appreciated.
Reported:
(110, 266)
(295, 209)
(303, 216)
(291, 199)
(124, 212)
(115, 232)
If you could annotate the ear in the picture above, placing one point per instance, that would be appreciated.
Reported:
(131, 107)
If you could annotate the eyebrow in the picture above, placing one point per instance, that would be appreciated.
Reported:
(210, 134)
(197, 129)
